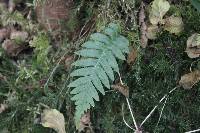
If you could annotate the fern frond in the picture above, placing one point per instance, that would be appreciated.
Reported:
(95, 70)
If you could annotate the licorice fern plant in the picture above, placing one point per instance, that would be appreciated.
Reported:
(95, 69)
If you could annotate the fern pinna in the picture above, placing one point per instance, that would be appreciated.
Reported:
(96, 67)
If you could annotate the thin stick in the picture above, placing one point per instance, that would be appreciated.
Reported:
(164, 97)
(193, 131)
(125, 120)
(134, 121)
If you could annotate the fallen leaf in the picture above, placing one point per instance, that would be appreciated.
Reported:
(84, 122)
(174, 24)
(52, 118)
(11, 48)
(158, 9)
(132, 56)
(121, 88)
(193, 46)
(190, 79)
(152, 31)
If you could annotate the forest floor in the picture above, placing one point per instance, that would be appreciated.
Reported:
(157, 89)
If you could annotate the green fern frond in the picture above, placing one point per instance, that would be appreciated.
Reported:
(97, 66)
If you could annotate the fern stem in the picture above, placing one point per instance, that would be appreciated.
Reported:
(125, 120)
(193, 131)
(134, 121)
(163, 98)
(161, 112)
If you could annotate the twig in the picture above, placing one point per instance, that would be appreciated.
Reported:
(124, 118)
(193, 131)
(164, 97)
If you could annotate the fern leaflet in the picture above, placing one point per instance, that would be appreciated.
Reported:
(96, 67)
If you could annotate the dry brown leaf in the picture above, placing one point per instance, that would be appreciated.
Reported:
(190, 79)
(143, 27)
(84, 122)
(193, 46)
(121, 88)
(174, 24)
(132, 56)
(3, 107)
(52, 118)
(11, 48)
(152, 31)
(20, 36)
